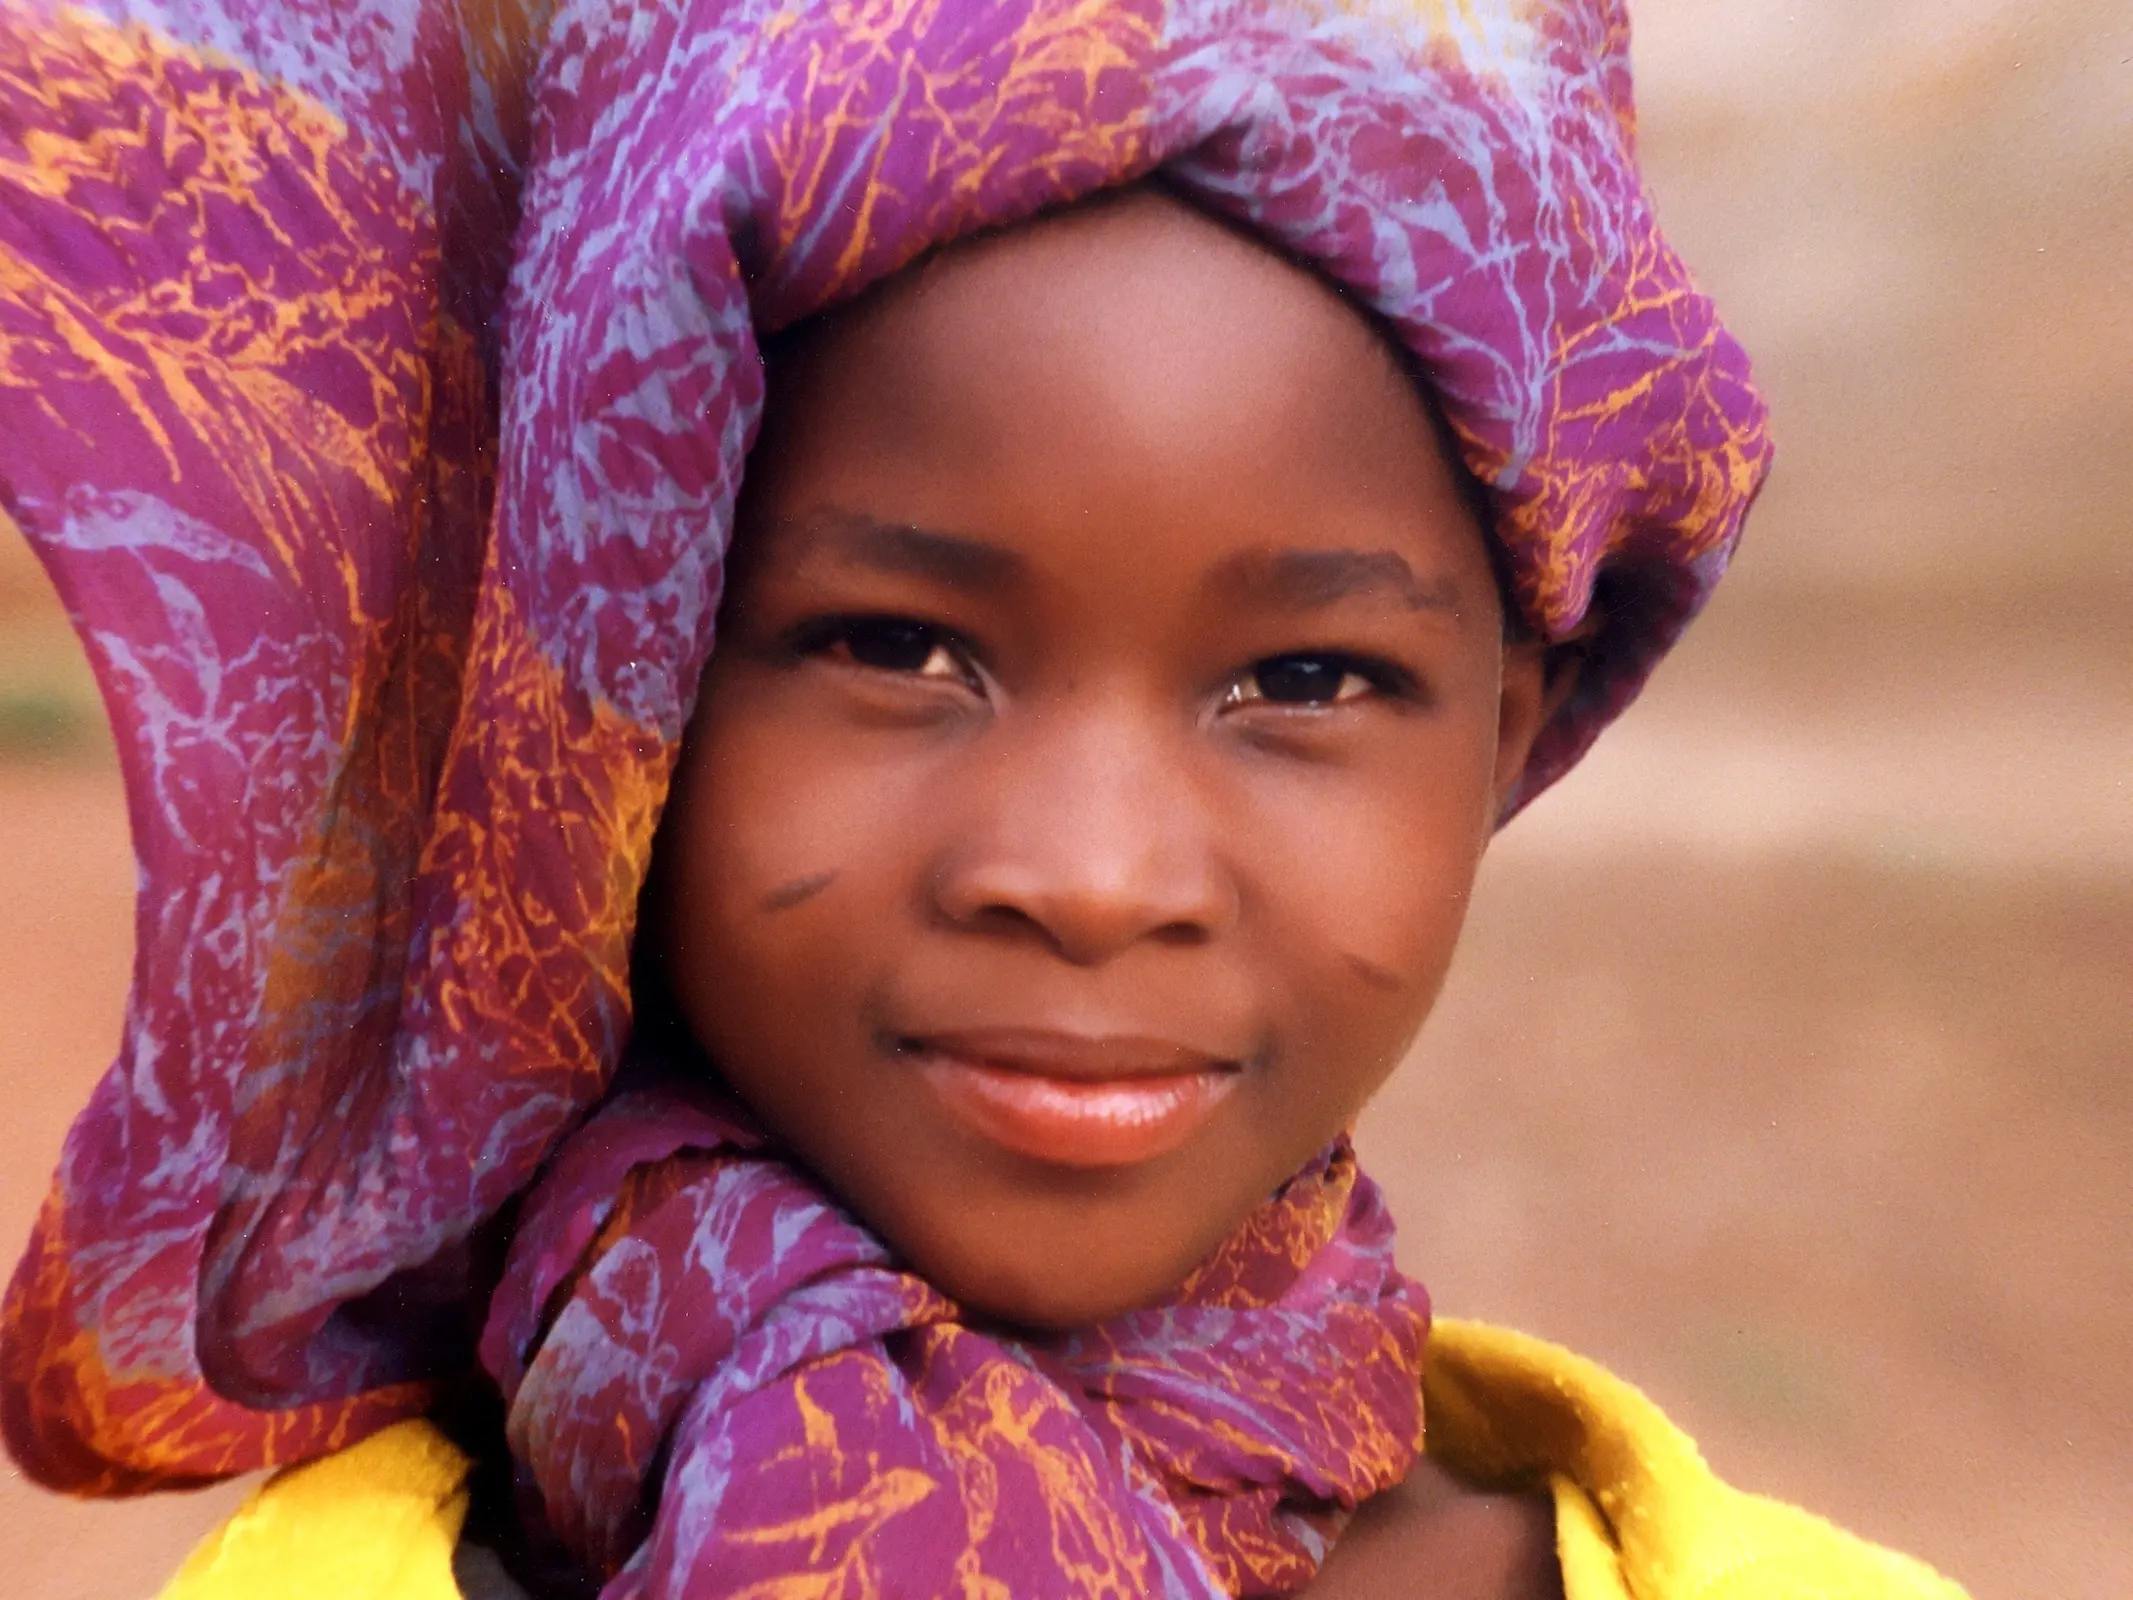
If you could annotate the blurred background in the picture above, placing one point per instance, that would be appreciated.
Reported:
(1788, 1068)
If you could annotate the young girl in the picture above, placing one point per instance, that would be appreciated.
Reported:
(1218, 462)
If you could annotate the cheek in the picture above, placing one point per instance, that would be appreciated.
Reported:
(794, 850)
(775, 812)
(1362, 877)
(738, 873)
(763, 915)
(1384, 851)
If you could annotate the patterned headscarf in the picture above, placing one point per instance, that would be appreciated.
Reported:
(376, 378)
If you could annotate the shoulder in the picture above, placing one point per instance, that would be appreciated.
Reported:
(1474, 1544)
(1636, 1512)
(382, 1516)
(1546, 1475)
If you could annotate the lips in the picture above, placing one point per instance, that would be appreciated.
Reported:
(1072, 1100)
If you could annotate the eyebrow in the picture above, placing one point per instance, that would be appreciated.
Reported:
(905, 550)
(1307, 580)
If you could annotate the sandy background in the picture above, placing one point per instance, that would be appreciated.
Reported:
(1789, 1066)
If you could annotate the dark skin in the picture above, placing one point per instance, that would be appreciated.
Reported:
(1112, 680)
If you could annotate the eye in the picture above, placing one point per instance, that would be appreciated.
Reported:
(894, 644)
(1320, 679)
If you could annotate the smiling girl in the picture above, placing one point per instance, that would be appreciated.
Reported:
(1112, 706)
(1191, 472)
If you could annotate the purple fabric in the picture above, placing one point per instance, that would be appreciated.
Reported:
(376, 378)
(688, 1326)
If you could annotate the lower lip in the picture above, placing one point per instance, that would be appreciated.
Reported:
(1118, 1122)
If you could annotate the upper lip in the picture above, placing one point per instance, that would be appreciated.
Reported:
(1074, 1057)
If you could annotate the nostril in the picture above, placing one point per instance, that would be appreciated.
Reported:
(1006, 917)
(1087, 908)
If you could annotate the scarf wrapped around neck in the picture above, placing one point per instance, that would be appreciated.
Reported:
(717, 1379)
(376, 380)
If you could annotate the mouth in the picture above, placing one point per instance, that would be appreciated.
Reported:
(1071, 1100)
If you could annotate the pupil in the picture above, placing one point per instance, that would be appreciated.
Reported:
(891, 646)
(1299, 680)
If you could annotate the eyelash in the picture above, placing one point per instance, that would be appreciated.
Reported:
(1379, 680)
(887, 635)
(904, 637)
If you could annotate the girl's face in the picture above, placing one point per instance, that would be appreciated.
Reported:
(1110, 709)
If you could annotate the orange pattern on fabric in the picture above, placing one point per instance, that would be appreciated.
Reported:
(395, 764)
(291, 407)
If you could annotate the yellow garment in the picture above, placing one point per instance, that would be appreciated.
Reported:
(377, 1521)
(1638, 1514)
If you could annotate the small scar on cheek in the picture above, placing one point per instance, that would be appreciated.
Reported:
(797, 892)
(1373, 974)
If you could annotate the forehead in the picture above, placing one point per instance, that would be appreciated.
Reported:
(1132, 374)
(1135, 301)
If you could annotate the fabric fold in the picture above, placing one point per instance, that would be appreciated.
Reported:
(376, 379)
(718, 1380)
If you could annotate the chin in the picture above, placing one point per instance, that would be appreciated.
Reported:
(1051, 1297)
(1053, 1309)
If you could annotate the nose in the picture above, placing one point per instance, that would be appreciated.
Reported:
(1092, 834)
